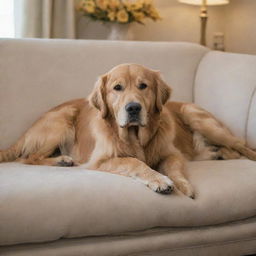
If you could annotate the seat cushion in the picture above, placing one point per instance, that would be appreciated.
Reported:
(39, 203)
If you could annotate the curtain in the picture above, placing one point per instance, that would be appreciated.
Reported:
(45, 18)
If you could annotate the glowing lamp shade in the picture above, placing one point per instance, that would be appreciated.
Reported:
(208, 2)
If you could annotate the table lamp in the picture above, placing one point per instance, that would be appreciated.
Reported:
(203, 14)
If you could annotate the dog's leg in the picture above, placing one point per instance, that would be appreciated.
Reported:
(173, 166)
(217, 133)
(51, 161)
(55, 129)
(12, 153)
(136, 169)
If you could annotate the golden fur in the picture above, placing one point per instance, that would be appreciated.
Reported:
(153, 148)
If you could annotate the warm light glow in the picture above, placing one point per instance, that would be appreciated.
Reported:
(208, 2)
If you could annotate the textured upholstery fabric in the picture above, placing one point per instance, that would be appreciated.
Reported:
(46, 203)
(39, 74)
(232, 239)
(225, 86)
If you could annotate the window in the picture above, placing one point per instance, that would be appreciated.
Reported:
(6, 18)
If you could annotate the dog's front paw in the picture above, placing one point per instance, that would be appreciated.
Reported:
(161, 184)
(185, 187)
(64, 161)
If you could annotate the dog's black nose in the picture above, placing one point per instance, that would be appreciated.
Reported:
(133, 108)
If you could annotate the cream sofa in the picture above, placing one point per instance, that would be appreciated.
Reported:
(57, 211)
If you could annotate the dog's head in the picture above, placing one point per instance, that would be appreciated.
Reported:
(130, 93)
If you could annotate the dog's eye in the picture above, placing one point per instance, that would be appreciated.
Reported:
(118, 87)
(142, 86)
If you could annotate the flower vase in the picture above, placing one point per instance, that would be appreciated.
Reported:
(120, 32)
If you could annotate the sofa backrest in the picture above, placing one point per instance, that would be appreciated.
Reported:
(36, 75)
(225, 85)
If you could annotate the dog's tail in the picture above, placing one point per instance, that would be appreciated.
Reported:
(12, 153)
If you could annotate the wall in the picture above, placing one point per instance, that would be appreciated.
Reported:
(181, 23)
(240, 26)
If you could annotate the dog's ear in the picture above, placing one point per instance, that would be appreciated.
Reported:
(163, 91)
(97, 98)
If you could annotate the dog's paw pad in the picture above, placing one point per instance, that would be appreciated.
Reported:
(192, 196)
(162, 184)
(165, 191)
(65, 161)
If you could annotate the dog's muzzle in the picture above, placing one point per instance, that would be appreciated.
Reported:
(133, 110)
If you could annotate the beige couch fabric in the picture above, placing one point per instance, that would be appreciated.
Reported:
(225, 85)
(232, 239)
(41, 203)
(39, 74)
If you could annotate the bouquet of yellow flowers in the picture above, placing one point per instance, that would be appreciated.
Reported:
(119, 11)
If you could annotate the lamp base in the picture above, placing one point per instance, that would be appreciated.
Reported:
(204, 18)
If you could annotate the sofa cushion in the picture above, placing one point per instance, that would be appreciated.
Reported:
(225, 85)
(39, 203)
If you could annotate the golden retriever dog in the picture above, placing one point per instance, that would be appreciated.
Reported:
(127, 127)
